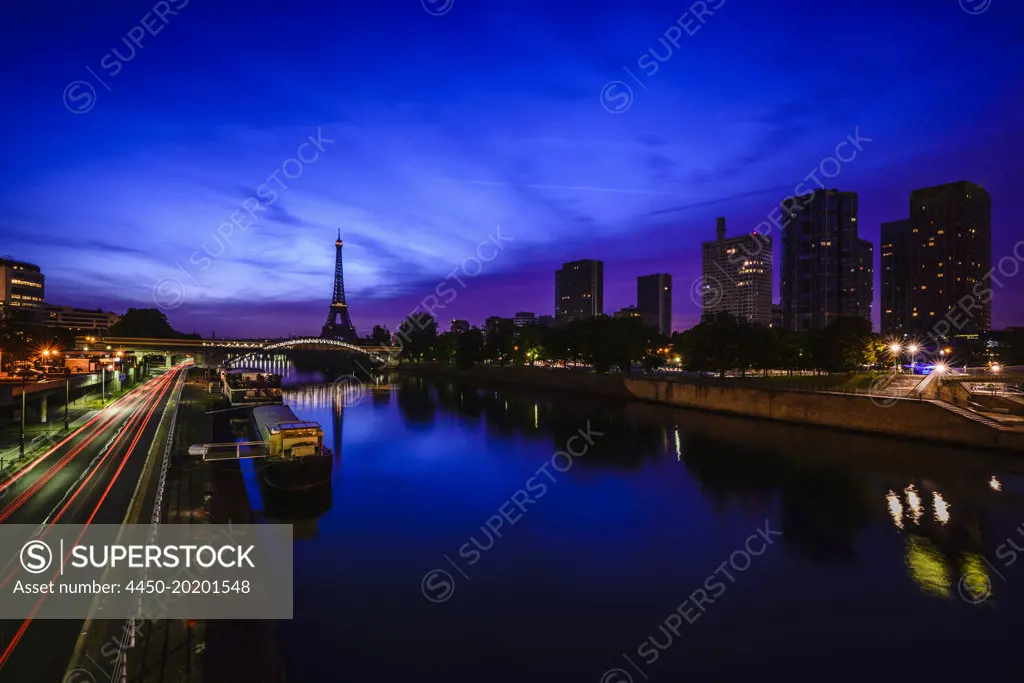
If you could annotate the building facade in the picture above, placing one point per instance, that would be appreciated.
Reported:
(21, 285)
(827, 270)
(654, 300)
(634, 312)
(579, 290)
(458, 325)
(79, 319)
(736, 276)
(522, 318)
(895, 278)
(949, 259)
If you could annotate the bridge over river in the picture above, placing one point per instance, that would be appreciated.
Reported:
(233, 352)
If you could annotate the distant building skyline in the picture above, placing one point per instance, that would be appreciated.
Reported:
(895, 277)
(939, 211)
(827, 270)
(654, 300)
(950, 251)
(736, 276)
(579, 290)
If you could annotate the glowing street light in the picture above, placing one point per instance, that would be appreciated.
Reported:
(941, 368)
(895, 348)
(996, 368)
(912, 348)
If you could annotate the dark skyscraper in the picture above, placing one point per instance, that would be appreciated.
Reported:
(895, 277)
(579, 290)
(826, 267)
(654, 300)
(949, 252)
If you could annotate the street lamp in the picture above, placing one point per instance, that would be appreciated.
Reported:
(996, 369)
(895, 350)
(67, 398)
(21, 436)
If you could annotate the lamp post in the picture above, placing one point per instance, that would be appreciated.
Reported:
(913, 356)
(103, 384)
(67, 398)
(21, 436)
(895, 349)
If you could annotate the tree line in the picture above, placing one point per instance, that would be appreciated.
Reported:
(719, 343)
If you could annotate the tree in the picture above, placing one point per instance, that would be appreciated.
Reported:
(469, 348)
(713, 345)
(146, 323)
(445, 346)
(500, 340)
(417, 337)
(844, 346)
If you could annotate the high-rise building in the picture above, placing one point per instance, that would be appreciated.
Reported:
(895, 277)
(736, 276)
(826, 267)
(949, 252)
(21, 285)
(865, 283)
(458, 325)
(654, 300)
(579, 290)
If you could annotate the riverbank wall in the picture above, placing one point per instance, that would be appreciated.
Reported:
(904, 418)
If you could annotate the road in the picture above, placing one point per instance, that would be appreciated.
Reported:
(89, 477)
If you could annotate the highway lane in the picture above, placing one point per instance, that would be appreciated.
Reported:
(88, 478)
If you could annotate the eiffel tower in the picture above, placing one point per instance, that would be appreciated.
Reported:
(339, 324)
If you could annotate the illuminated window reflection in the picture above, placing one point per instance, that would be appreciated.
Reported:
(941, 508)
(895, 509)
(927, 567)
(914, 503)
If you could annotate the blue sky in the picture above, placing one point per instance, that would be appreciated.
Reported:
(450, 118)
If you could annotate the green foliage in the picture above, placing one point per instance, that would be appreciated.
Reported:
(469, 348)
(721, 343)
(146, 323)
(843, 346)
(500, 341)
(417, 337)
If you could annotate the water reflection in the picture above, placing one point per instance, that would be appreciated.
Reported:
(927, 566)
(822, 483)
(656, 502)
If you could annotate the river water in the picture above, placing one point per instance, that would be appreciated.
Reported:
(460, 540)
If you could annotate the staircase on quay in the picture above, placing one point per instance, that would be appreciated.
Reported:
(970, 415)
(900, 386)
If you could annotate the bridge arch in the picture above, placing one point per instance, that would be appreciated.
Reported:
(376, 353)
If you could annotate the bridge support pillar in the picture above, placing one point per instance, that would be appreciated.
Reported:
(42, 409)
